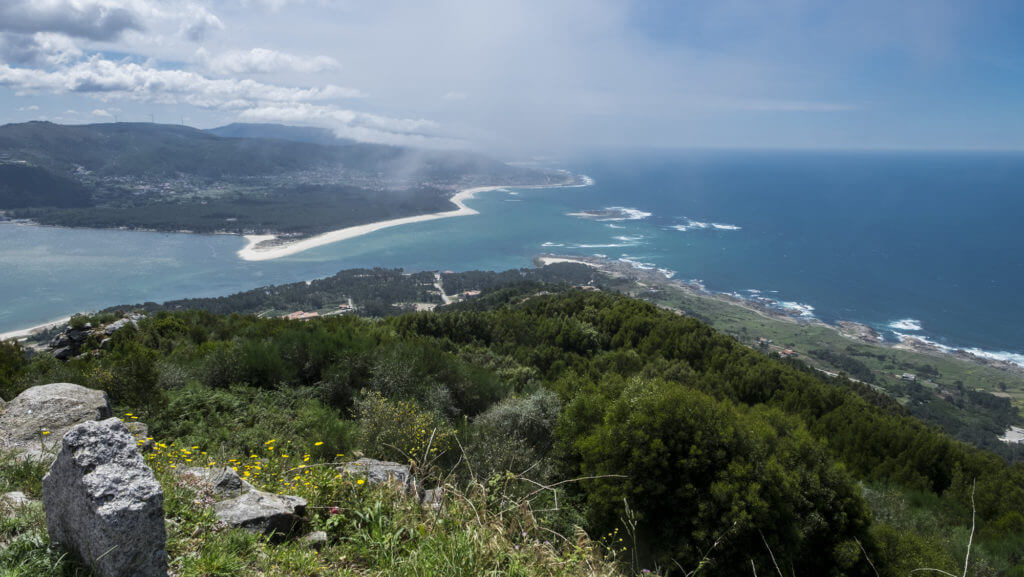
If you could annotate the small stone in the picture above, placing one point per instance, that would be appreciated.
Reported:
(15, 499)
(433, 498)
(380, 472)
(220, 482)
(316, 540)
(269, 514)
(103, 503)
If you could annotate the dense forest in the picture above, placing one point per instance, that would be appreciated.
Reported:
(676, 445)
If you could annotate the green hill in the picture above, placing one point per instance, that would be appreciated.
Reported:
(168, 177)
(674, 446)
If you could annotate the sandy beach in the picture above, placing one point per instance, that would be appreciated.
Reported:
(252, 251)
(22, 333)
(546, 260)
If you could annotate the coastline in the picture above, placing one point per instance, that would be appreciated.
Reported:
(20, 334)
(253, 252)
(852, 330)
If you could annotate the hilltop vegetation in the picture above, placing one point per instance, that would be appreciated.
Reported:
(284, 180)
(673, 445)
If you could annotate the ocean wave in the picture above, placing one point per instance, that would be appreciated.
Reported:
(801, 309)
(637, 264)
(612, 213)
(1005, 356)
(549, 243)
(906, 325)
(668, 273)
(625, 238)
(608, 245)
(698, 225)
(614, 225)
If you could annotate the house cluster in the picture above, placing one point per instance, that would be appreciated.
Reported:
(301, 316)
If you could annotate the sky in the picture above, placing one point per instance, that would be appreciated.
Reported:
(530, 77)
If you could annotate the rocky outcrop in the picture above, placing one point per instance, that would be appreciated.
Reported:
(35, 421)
(276, 516)
(219, 483)
(380, 472)
(238, 504)
(69, 343)
(103, 503)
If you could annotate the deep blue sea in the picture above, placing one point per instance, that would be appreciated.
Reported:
(926, 244)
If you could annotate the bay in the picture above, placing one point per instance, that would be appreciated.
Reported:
(927, 244)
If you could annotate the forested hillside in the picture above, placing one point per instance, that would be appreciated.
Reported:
(256, 178)
(673, 445)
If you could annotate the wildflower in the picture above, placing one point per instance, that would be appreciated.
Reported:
(335, 510)
(46, 432)
(360, 482)
(270, 442)
(318, 443)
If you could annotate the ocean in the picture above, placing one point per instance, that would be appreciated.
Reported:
(910, 243)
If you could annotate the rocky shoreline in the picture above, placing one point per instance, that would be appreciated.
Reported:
(850, 329)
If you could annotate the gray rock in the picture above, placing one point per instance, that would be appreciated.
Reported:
(54, 408)
(103, 503)
(120, 324)
(433, 498)
(316, 540)
(64, 353)
(15, 499)
(274, 515)
(60, 341)
(379, 472)
(222, 482)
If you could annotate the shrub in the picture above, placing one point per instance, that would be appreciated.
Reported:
(401, 430)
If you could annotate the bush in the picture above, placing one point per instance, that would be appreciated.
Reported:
(700, 471)
(401, 430)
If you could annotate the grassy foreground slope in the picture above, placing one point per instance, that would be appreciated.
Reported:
(675, 447)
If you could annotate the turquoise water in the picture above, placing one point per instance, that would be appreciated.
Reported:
(919, 244)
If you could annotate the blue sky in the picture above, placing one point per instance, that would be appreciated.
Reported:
(532, 77)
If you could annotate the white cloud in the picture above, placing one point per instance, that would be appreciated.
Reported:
(198, 21)
(264, 61)
(30, 108)
(39, 49)
(92, 19)
(353, 124)
(109, 79)
(101, 113)
(454, 96)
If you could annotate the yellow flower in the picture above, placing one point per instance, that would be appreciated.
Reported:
(270, 442)
(360, 482)
(318, 443)
(46, 432)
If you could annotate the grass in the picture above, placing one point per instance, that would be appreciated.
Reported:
(372, 530)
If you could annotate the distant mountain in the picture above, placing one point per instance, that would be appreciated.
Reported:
(307, 134)
(237, 178)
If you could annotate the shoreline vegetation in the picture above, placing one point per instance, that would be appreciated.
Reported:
(852, 330)
(270, 246)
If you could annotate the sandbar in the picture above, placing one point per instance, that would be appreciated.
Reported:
(253, 251)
